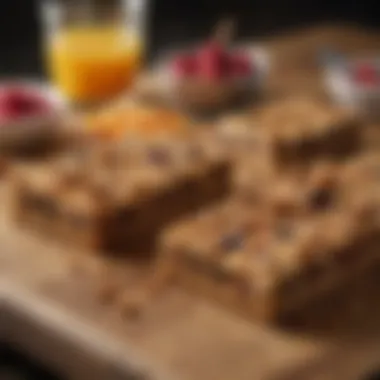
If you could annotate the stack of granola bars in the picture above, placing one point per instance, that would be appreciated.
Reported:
(264, 213)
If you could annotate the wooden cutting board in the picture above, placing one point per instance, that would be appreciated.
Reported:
(52, 307)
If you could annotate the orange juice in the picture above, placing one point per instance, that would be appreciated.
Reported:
(93, 63)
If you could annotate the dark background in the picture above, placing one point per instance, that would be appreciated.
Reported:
(176, 21)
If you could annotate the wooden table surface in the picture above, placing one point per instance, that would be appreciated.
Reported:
(52, 307)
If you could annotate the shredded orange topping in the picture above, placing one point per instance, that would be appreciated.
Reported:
(131, 119)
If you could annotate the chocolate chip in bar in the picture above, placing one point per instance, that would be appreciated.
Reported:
(159, 156)
(232, 241)
(321, 199)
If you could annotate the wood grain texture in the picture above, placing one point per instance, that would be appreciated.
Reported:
(52, 305)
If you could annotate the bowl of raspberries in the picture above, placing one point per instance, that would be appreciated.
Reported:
(213, 76)
(29, 112)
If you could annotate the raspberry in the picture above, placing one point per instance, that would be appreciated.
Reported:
(366, 74)
(17, 102)
(185, 66)
(241, 65)
(212, 61)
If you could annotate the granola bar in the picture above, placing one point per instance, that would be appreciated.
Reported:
(116, 196)
(301, 131)
(263, 265)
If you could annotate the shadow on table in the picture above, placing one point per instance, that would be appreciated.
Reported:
(14, 364)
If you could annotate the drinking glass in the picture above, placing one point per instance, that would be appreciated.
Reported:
(93, 49)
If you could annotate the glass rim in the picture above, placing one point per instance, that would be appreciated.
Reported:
(56, 13)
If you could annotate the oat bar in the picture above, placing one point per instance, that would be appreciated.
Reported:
(301, 131)
(116, 196)
(265, 266)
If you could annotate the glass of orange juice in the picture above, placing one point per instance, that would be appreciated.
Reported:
(93, 48)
